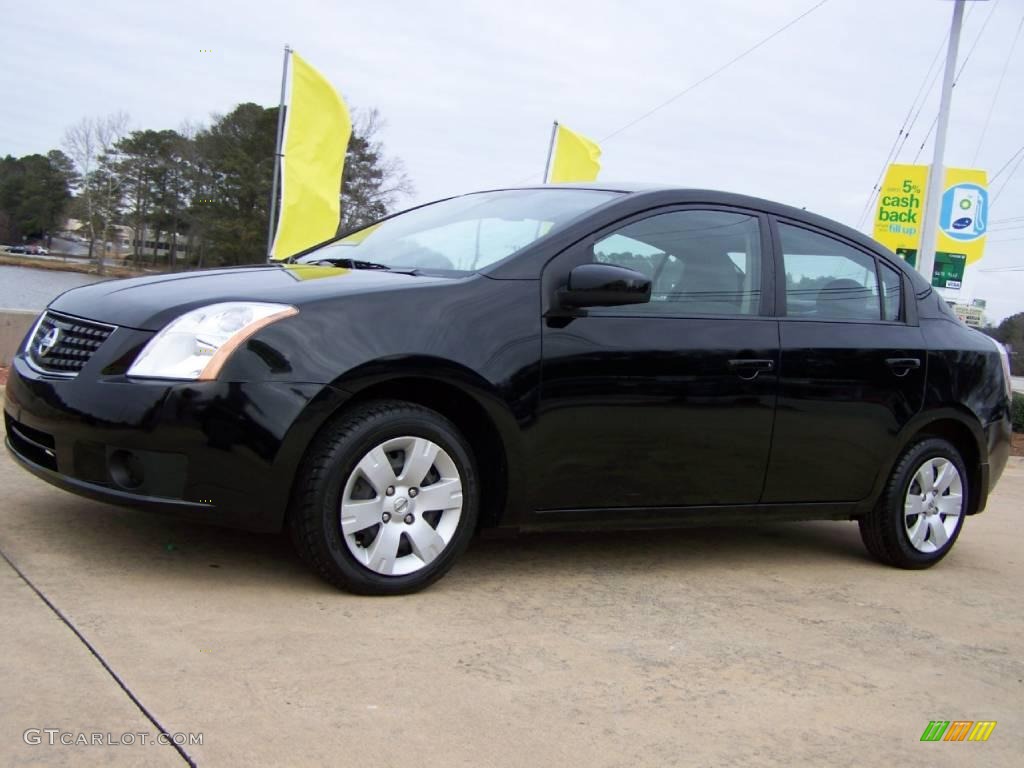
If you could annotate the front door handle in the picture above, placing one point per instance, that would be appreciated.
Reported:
(748, 369)
(901, 366)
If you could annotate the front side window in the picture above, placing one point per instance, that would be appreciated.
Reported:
(699, 262)
(827, 279)
(462, 234)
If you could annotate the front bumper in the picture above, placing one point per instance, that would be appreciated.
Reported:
(219, 452)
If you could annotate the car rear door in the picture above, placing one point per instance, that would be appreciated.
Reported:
(852, 369)
(668, 403)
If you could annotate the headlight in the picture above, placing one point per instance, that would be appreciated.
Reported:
(197, 344)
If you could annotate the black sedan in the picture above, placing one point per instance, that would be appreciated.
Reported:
(532, 358)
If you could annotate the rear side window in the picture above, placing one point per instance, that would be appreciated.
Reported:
(827, 279)
(700, 262)
(892, 291)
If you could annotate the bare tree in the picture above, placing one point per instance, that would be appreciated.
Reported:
(80, 145)
(90, 145)
(373, 182)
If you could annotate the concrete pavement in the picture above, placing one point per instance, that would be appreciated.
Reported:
(14, 325)
(52, 681)
(775, 645)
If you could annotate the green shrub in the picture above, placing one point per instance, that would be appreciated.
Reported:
(1017, 412)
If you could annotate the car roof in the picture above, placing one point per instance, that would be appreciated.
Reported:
(698, 194)
(690, 193)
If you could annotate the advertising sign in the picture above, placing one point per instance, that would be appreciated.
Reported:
(949, 270)
(963, 219)
(900, 210)
(963, 222)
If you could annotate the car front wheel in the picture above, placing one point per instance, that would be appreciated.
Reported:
(386, 500)
(919, 515)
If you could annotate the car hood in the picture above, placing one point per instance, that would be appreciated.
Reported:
(149, 303)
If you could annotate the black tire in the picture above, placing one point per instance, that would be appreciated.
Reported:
(314, 515)
(883, 531)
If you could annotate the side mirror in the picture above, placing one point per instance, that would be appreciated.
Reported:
(605, 285)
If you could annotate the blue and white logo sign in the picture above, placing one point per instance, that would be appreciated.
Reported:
(964, 212)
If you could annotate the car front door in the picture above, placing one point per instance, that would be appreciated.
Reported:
(852, 372)
(668, 403)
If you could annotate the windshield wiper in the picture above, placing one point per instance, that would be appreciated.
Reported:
(337, 261)
(350, 263)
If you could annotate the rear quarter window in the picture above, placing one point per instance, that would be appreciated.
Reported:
(892, 291)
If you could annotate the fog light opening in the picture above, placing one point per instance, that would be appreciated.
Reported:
(125, 469)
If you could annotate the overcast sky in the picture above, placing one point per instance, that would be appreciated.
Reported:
(469, 89)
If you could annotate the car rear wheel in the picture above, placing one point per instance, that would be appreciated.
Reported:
(919, 515)
(386, 500)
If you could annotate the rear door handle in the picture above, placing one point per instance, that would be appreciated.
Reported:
(901, 366)
(748, 369)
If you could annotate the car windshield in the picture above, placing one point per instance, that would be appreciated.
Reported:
(460, 234)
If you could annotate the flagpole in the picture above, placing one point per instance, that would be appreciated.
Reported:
(551, 148)
(277, 155)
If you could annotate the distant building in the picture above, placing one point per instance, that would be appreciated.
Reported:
(122, 241)
(117, 235)
(158, 244)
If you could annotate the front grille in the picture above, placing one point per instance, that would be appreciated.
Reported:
(63, 344)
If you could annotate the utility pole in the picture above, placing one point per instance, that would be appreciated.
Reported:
(936, 176)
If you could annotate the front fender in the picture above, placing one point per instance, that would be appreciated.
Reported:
(507, 407)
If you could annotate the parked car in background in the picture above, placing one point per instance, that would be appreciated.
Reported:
(543, 358)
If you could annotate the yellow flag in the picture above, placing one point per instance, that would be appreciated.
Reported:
(576, 157)
(317, 130)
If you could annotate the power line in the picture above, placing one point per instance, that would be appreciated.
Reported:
(720, 69)
(995, 96)
(959, 72)
(707, 77)
(920, 107)
(976, 39)
(923, 94)
(1005, 165)
(926, 88)
(904, 131)
(935, 77)
(997, 193)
